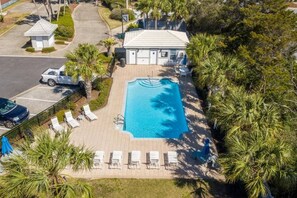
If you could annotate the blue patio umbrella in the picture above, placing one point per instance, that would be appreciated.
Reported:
(185, 60)
(205, 150)
(204, 153)
(6, 147)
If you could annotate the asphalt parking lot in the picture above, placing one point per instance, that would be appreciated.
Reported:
(18, 74)
(19, 81)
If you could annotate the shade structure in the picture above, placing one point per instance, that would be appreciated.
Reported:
(184, 60)
(6, 147)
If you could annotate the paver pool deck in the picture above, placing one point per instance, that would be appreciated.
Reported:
(103, 134)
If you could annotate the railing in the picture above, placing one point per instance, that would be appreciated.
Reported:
(42, 117)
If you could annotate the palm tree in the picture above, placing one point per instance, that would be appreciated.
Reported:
(84, 63)
(108, 43)
(37, 172)
(257, 160)
(144, 7)
(200, 46)
(156, 12)
(217, 71)
(180, 10)
(238, 112)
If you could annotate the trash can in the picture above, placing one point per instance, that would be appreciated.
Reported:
(122, 62)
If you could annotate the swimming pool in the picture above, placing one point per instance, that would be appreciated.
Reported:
(154, 109)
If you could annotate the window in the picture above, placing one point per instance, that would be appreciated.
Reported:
(164, 54)
(52, 73)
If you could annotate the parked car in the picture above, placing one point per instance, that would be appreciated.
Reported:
(11, 113)
(53, 76)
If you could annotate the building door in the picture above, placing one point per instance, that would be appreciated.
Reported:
(153, 57)
(132, 57)
(39, 43)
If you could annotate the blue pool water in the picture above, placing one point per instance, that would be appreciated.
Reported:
(154, 109)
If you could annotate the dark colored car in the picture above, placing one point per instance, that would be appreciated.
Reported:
(11, 113)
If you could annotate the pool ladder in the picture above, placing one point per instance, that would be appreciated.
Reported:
(120, 119)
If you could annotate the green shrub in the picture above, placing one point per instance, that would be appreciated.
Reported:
(132, 26)
(48, 49)
(30, 49)
(71, 105)
(111, 4)
(61, 38)
(65, 24)
(60, 115)
(104, 58)
(60, 42)
(1, 18)
(116, 14)
(104, 87)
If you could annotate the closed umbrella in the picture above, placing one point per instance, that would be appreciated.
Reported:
(205, 150)
(6, 147)
(204, 153)
(185, 60)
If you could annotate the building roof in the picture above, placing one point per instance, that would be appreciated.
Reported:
(155, 39)
(41, 28)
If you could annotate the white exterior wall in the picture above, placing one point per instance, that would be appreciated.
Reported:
(51, 40)
(39, 42)
(164, 56)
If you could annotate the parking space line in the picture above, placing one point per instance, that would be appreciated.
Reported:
(35, 99)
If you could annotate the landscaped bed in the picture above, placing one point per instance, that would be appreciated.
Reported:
(65, 30)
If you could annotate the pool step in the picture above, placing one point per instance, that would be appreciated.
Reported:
(150, 83)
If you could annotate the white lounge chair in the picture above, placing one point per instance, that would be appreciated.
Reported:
(154, 161)
(89, 115)
(98, 159)
(56, 125)
(116, 159)
(172, 159)
(187, 73)
(135, 159)
(70, 120)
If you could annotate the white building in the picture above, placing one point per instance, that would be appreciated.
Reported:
(155, 47)
(42, 34)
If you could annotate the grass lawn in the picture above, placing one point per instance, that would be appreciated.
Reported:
(114, 188)
(105, 13)
(65, 25)
(163, 188)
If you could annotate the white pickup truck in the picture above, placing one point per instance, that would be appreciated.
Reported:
(53, 76)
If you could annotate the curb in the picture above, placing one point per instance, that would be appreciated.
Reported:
(102, 18)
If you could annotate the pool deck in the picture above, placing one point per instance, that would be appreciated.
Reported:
(103, 134)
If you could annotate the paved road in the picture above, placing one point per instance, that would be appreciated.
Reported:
(89, 28)
(17, 74)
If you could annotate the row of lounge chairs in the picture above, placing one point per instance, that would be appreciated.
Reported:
(71, 122)
(135, 160)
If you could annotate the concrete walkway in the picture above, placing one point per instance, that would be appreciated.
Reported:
(103, 135)
(89, 28)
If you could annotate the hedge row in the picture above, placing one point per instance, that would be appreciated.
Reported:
(65, 24)
(103, 86)
(48, 49)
